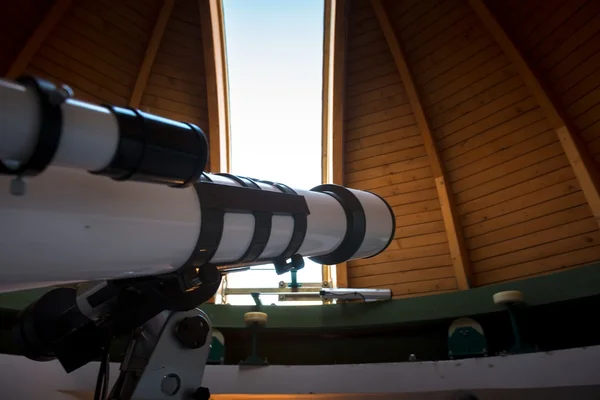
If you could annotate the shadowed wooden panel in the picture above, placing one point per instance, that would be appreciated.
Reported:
(565, 51)
(384, 153)
(512, 181)
(176, 86)
(96, 49)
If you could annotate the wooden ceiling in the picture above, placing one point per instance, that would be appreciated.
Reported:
(479, 122)
(161, 56)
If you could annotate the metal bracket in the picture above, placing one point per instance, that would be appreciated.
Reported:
(166, 359)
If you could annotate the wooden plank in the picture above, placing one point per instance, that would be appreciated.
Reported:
(574, 236)
(194, 119)
(500, 237)
(568, 27)
(582, 164)
(488, 91)
(508, 174)
(88, 41)
(70, 77)
(174, 106)
(413, 197)
(215, 59)
(86, 70)
(443, 47)
(37, 38)
(397, 167)
(406, 254)
(587, 81)
(455, 88)
(580, 57)
(423, 287)
(501, 151)
(151, 50)
(371, 72)
(539, 237)
(373, 84)
(383, 115)
(456, 16)
(176, 95)
(525, 181)
(552, 185)
(107, 11)
(403, 277)
(415, 208)
(456, 59)
(404, 188)
(361, 65)
(356, 146)
(471, 148)
(485, 231)
(490, 122)
(91, 58)
(381, 127)
(456, 35)
(394, 100)
(333, 107)
(419, 22)
(468, 66)
(374, 95)
(407, 176)
(566, 49)
(562, 261)
(449, 125)
(398, 152)
(395, 266)
(454, 231)
(421, 228)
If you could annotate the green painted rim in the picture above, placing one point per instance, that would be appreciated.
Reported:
(566, 285)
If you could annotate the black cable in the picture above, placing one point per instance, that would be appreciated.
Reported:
(99, 382)
(105, 388)
(102, 381)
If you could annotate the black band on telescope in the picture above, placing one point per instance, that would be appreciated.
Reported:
(263, 222)
(156, 150)
(217, 199)
(49, 99)
(356, 225)
(298, 235)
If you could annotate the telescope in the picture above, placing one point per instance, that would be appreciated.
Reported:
(119, 198)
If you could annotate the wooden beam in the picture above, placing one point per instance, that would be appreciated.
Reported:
(583, 166)
(151, 50)
(37, 38)
(334, 65)
(458, 249)
(215, 60)
(325, 113)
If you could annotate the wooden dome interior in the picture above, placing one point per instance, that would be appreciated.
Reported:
(478, 121)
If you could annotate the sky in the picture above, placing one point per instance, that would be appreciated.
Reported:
(274, 55)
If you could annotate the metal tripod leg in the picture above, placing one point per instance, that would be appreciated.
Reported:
(166, 359)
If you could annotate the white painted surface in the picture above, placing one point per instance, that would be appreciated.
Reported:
(89, 134)
(72, 225)
(379, 224)
(565, 368)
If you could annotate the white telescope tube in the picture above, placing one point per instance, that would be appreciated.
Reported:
(89, 134)
(75, 226)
